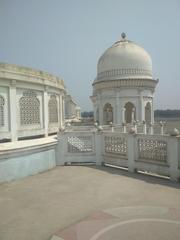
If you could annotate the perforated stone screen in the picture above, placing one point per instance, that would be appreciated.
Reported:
(115, 145)
(152, 149)
(79, 144)
(53, 109)
(29, 108)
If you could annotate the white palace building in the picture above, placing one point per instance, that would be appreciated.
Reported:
(34, 136)
(124, 87)
(32, 103)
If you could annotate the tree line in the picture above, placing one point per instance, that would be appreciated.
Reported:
(157, 113)
(87, 114)
(167, 113)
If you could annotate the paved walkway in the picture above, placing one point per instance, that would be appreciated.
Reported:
(86, 203)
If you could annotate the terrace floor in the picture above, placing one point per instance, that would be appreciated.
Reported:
(86, 202)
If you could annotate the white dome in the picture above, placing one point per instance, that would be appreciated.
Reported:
(124, 60)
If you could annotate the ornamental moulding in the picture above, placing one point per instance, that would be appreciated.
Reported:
(123, 72)
(12, 68)
(17, 73)
(137, 83)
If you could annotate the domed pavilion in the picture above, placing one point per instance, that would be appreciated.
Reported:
(124, 87)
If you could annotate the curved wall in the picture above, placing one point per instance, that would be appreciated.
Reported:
(31, 103)
(21, 159)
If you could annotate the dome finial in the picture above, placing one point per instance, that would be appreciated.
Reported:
(123, 35)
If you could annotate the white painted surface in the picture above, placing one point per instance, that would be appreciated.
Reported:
(14, 82)
(124, 74)
(128, 58)
(21, 159)
(157, 154)
(23, 166)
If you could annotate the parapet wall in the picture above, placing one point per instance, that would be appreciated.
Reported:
(21, 159)
(158, 154)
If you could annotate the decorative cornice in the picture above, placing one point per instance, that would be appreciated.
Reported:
(125, 72)
(125, 83)
(18, 73)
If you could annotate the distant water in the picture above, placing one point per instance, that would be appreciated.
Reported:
(171, 123)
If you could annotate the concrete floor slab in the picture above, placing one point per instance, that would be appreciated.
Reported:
(40, 206)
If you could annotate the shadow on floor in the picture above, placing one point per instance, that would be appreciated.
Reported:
(153, 179)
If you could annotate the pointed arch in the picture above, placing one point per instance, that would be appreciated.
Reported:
(130, 112)
(29, 108)
(53, 109)
(107, 113)
(148, 112)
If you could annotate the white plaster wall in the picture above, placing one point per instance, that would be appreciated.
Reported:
(32, 86)
(23, 166)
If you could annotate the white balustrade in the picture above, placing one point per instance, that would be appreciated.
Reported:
(152, 153)
(115, 144)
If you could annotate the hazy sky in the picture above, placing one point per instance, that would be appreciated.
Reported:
(66, 38)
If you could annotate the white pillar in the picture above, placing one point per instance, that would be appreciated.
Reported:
(173, 158)
(101, 120)
(123, 114)
(152, 112)
(142, 109)
(118, 111)
(144, 128)
(114, 113)
(135, 127)
(131, 152)
(99, 147)
(133, 113)
(63, 111)
(162, 129)
(13, 112)
(61, 149)
(124, 128)
(78, 114)
(151, 129)
(60, 111)
(46, 116)
(97, 114)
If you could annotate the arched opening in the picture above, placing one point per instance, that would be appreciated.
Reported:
(148, 112)
(53, 109)
(130, 112)
(107, 113)
(29, 108)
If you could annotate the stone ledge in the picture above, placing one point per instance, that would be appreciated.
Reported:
(20, 148)
(125, 83)
(19, 73)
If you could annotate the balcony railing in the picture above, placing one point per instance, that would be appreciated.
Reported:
(154, 153)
